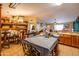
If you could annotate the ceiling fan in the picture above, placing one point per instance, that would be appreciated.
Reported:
(13, 5)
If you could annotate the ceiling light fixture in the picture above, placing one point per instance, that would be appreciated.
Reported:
(57, 3)
(54, 21)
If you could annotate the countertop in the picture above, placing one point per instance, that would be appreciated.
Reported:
(70, 33)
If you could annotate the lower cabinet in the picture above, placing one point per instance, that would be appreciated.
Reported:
(61, 39)
(75, 41)
(78, 41)
(71, 40)
(68, 39)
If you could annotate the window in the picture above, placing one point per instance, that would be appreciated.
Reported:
(58, 27)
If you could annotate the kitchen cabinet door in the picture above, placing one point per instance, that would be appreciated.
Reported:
(75, 41)
(78, 41)
(61, 39)
(67, 39)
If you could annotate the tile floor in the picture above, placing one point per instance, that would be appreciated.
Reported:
(16, 50)
(67, 50)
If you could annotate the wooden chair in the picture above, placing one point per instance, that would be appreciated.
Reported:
(6, 42)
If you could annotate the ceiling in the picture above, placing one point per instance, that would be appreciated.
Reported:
(45, 11)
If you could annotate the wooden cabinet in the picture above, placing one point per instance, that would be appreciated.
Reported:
(61, 39)
(65, 39)
(74, 41)
(71, 40)
(78, 41)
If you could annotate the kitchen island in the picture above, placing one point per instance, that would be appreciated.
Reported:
(45, 46)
